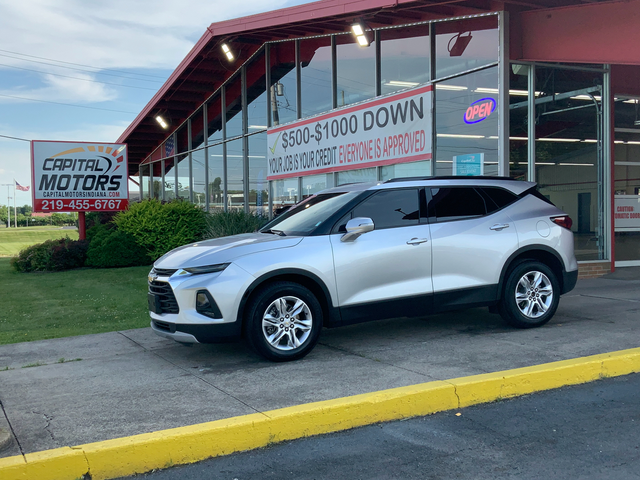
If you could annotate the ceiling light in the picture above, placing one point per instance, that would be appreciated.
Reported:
(440, 86)
(358, 31)
(486, 90)
(398, 83)
(455, 135)
(162, 122)
(227, 51)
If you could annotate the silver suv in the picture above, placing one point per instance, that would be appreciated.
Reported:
(406, 247)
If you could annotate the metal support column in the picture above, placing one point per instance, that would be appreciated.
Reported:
(531, 124)
(503, 94)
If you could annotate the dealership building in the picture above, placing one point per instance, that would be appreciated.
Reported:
(268, 109)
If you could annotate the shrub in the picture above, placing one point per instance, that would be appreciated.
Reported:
(115, 248)
(51, 255)
(162, 227)
(222, 224)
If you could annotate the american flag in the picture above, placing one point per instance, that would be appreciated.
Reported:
(21, 188)
(169, 147)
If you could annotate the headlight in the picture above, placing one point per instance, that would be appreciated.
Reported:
(207, 269)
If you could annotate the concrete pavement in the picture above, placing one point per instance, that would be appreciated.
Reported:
(78, 390)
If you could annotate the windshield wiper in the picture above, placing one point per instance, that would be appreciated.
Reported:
(275, 232)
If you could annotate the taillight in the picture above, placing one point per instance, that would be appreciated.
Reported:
(564, 221)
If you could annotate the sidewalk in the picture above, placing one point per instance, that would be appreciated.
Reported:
(79, 390)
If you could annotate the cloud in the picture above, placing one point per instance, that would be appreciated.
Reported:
(117, 33)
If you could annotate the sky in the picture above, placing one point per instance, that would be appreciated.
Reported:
(82, 70)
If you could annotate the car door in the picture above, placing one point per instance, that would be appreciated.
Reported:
(471, 239)
(385, 272)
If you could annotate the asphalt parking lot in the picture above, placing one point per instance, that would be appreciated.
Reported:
(126, 383)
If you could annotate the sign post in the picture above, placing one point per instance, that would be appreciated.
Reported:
(79, 177)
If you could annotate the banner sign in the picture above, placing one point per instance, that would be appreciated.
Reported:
(468, 165)
(382, 131)
(627, 213)
(79, 176)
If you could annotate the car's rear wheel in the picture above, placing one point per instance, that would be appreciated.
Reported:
(284, 321)
(531, 295)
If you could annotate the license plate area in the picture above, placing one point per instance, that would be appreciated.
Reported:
(154, 303)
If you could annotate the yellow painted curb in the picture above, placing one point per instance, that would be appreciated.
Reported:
(142, 453)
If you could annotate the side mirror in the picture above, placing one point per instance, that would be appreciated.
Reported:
(356, 227)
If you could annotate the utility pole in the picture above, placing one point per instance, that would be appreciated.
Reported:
(8, 203)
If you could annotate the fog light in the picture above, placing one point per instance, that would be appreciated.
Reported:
(205, 305)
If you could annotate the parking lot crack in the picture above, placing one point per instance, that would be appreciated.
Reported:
(47, 426)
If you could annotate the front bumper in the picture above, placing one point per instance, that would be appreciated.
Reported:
(173, 310)
(192, 333)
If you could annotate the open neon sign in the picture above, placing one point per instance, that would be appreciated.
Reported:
(479, 110)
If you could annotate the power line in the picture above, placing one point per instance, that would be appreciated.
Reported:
(67, 104)
(82, 69)
(81, 65)
(15, 138)
(77, 78)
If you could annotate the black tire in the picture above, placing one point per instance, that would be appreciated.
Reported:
(530, 296)
(276, 339)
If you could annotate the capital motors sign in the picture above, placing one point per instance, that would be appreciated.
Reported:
(479, 110)
(79, 176)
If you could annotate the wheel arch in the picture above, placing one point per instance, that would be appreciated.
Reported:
(539, 253)
(302, 277)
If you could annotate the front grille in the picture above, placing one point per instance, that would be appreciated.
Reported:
(167, 298)
(167, 327)
(164, 272)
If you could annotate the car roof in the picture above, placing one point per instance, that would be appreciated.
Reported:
(511, 184)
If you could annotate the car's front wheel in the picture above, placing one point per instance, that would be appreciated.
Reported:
(531, 295)
(284, 321)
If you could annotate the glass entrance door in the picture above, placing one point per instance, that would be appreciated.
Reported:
(626, 214)
(569, 154)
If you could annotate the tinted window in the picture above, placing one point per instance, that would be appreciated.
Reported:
(454, 203)
(497, 198)
(391, 208)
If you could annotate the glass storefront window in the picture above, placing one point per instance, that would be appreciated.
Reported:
(198, 169)
(404, 57)
(156, 180)
(183, 176)
(518, 121)
(313, 184)
(235, 184)
(465, 44)
(355, 70)
(626, 218)
(283, 83)
(182, 139)
(216, 200)
(169, 179)
(466, 122)
(214, 119)
(285, 194)
(400, 170)
(315, 75)
(258, 186)
(144, 181)
(357, 176)
(234, 107)
(567, 161)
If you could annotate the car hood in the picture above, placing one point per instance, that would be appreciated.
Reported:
(223, 250)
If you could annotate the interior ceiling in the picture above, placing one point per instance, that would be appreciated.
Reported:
(194, 82)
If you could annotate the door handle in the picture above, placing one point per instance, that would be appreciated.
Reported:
(417, 241)
(499, 226)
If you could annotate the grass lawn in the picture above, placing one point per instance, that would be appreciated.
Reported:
(36, 306)
(12, 240)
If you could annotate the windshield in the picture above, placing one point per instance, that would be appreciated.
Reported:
(305, 217)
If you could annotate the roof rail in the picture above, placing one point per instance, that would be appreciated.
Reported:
(449, 177)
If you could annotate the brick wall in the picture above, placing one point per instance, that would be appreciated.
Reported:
(593, 270)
